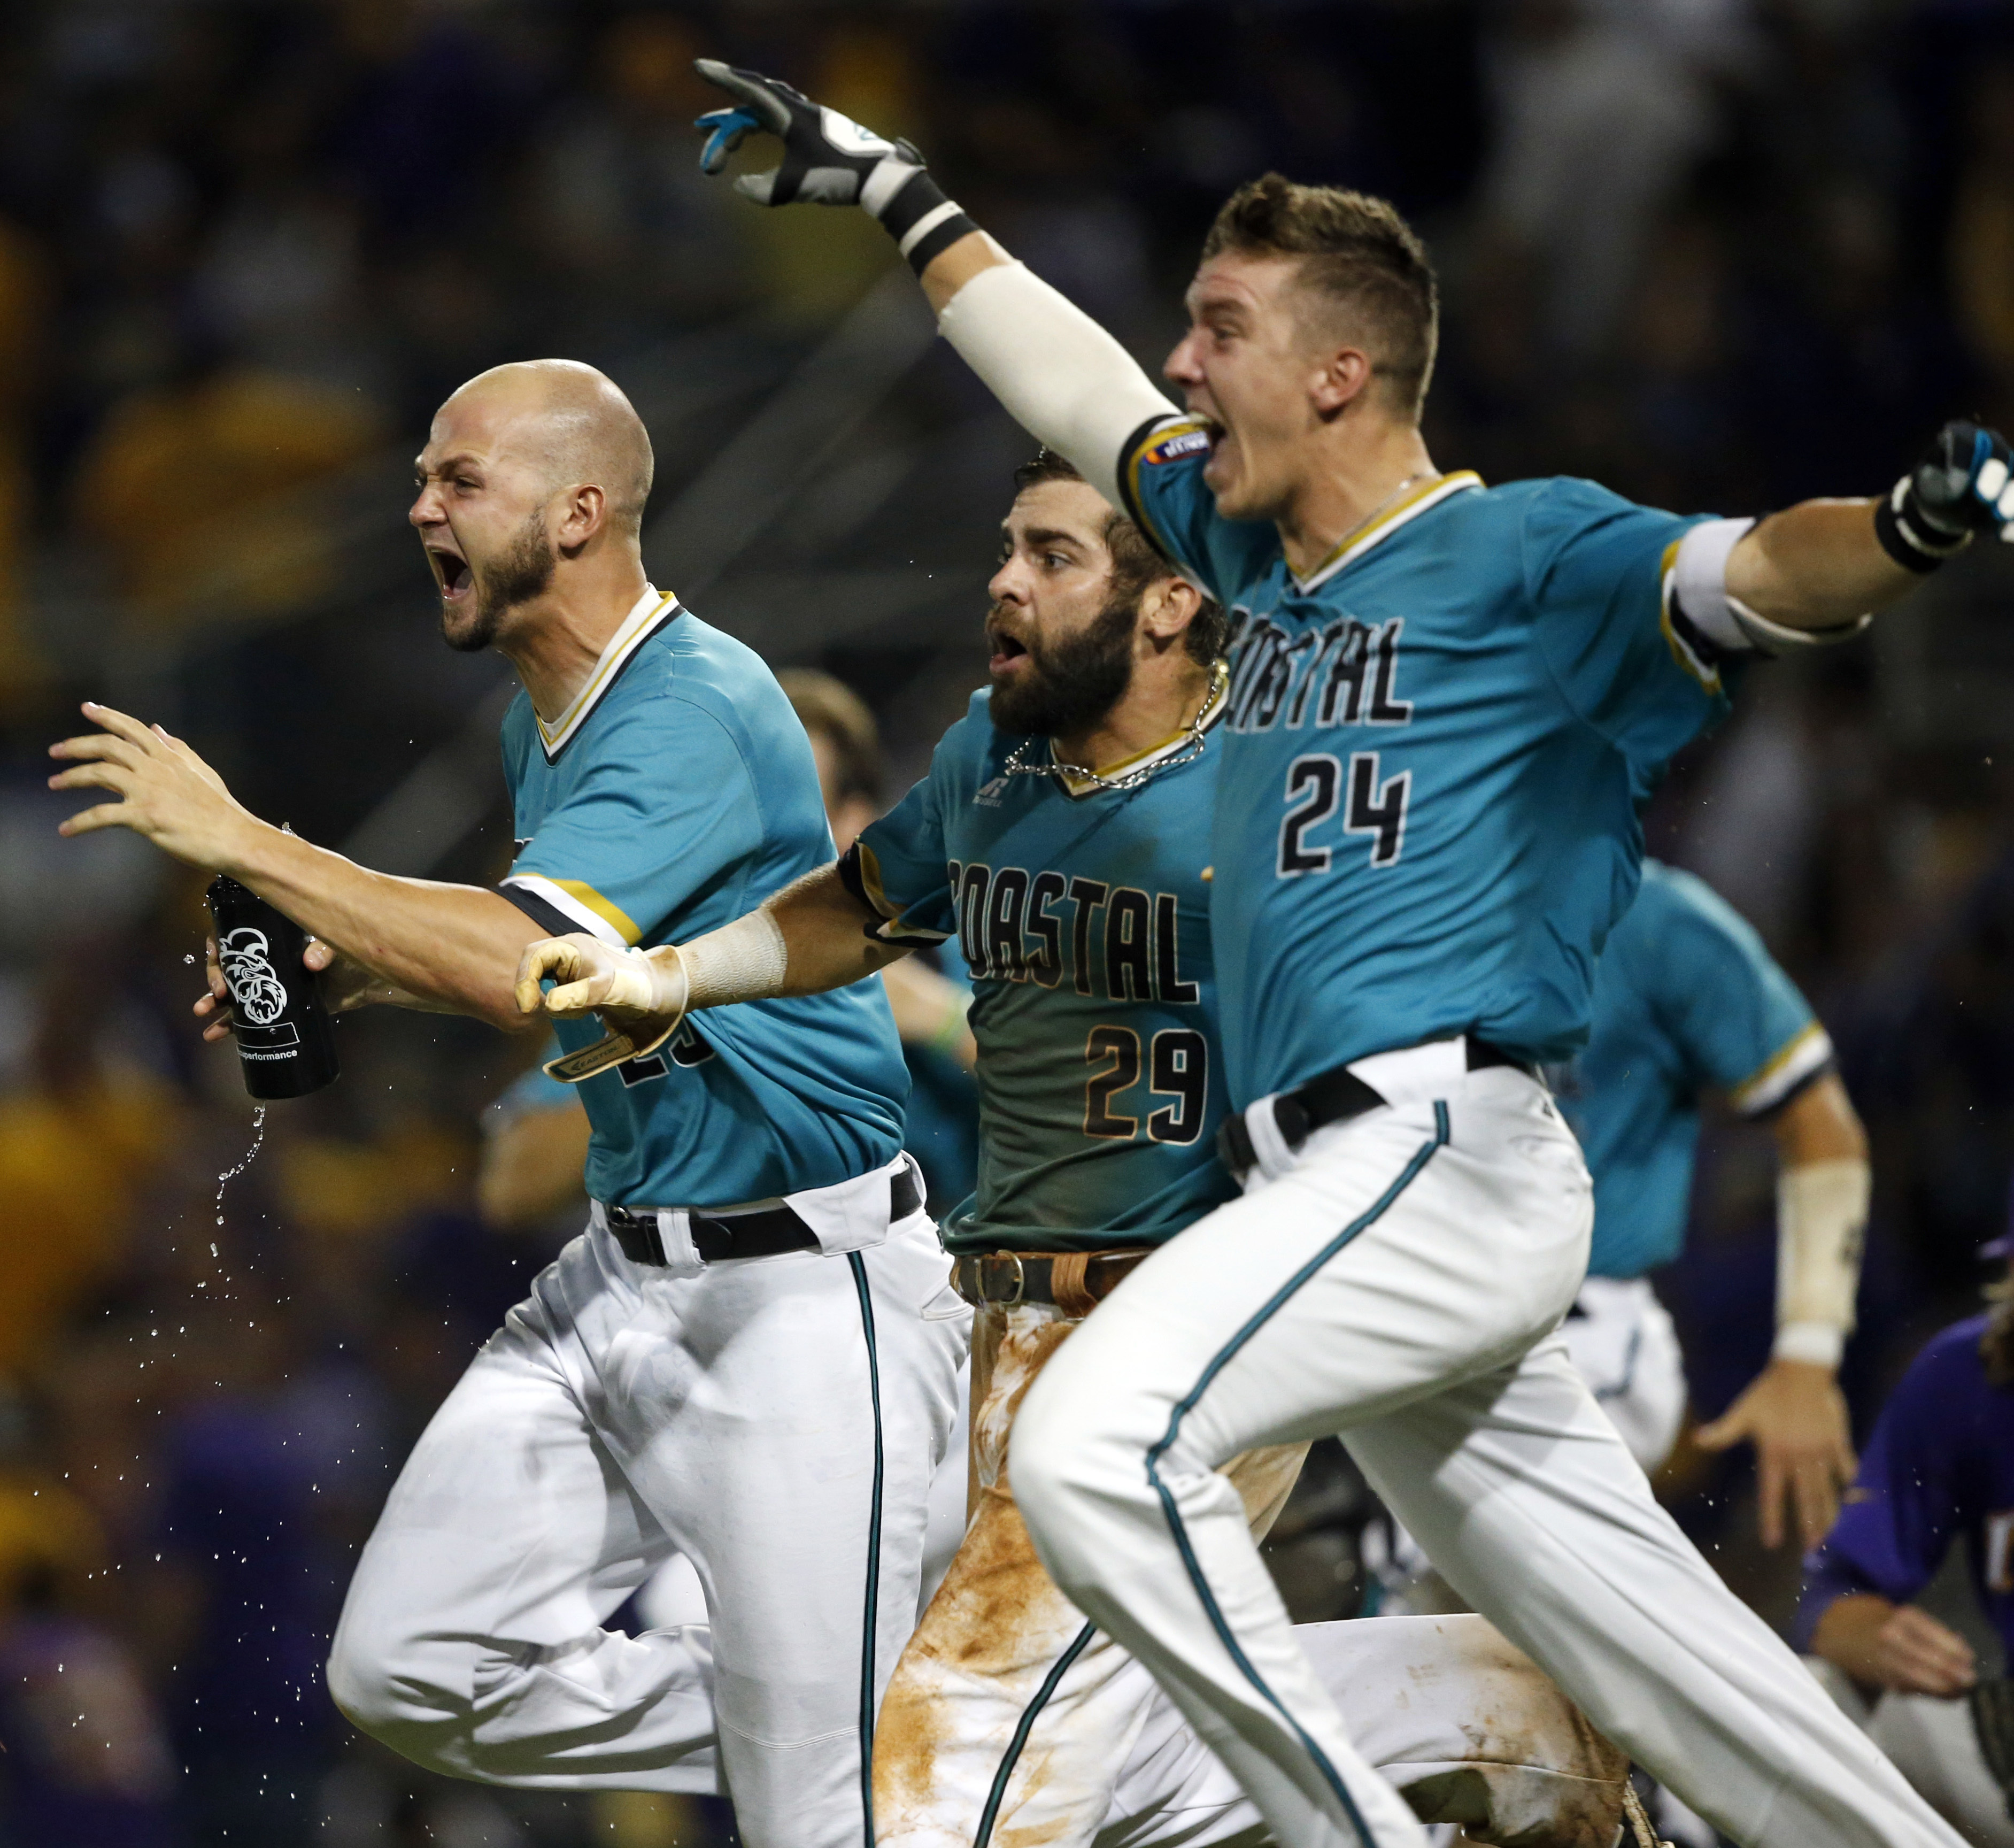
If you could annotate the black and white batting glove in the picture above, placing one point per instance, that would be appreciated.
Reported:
(1963, 485)
(829, 159)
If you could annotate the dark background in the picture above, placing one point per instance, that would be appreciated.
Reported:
(1716, 254)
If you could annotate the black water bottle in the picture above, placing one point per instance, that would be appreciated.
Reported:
(286, 1044)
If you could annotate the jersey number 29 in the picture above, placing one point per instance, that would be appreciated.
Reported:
(1179, 1057)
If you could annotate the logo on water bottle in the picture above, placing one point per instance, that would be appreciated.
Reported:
(255, 987)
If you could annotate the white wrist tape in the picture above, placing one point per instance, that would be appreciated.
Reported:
(1059, 375)
(1821, 1229)
(743, 961)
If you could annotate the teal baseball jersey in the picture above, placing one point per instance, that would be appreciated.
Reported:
(675, 794)
(1426, 817)
(1083, 915)
(1686, 996)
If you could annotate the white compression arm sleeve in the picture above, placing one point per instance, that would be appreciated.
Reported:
(1821, 1229)
(1059, 375)
(743, 961)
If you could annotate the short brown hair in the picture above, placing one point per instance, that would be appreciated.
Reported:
(1135, 563)
(827, 708)
(1360, 256)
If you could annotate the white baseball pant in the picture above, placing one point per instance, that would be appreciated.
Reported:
(1935, 1745)
(1400, 1279)
(1620, 1340)
(777, 1420)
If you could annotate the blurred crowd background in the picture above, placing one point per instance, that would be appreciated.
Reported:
(1720, 254)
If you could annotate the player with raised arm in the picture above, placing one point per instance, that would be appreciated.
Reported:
(1446, 701)
(1057, 840)
(750, 1356)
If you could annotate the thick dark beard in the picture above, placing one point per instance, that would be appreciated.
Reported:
(524, 573)
(1069, 685)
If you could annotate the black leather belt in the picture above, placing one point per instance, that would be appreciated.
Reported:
(766, 1233)
(1332, 1096)
(1073, 1281)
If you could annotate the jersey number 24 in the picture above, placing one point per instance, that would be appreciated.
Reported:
(1315, 785)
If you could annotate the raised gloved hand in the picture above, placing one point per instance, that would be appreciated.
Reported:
(641, 999)
(829, 159)
(1964, 485)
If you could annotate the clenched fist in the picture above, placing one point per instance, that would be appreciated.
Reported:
(641, 998)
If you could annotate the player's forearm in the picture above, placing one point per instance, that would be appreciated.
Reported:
(811, 937)
(451, 948)
(1056, 372)
(1823, 1193)
(1816, 566)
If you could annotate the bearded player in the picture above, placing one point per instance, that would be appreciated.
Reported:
(1057, 838)
(749, 1357)
(1447, 699)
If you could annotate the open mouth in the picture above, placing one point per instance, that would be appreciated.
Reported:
(1007, 650)
(451, 572)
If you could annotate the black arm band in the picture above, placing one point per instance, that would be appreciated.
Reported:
(923, 222)
(1905, 538)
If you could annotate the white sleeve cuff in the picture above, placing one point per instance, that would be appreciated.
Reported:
(1817, 1342)
(1699, 582)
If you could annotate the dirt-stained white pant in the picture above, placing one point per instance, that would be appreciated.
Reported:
(1011, 1722)
(1401, 1280)
(776, 1420)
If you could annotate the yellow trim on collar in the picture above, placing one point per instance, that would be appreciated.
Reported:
(1354, 545)
(552, 734)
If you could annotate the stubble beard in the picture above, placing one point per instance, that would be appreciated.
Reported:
(522, 574)
(1071, 684)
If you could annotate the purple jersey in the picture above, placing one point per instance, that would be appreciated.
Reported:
(1939, 1465)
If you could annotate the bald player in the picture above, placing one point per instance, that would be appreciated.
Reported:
(749, 1356)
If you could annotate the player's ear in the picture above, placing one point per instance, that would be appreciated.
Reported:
(583, 516)
(1167, 607)
(1340, 375)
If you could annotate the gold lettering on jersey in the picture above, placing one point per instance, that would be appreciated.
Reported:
(1117, 943)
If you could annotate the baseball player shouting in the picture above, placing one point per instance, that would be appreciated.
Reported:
(1445, 699)
(1058, 838)
(749, 1356)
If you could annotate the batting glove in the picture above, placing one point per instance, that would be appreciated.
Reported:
(829, 159)
(1963, 485)
(640, 999)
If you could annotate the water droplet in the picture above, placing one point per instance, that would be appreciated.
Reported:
(188, 962)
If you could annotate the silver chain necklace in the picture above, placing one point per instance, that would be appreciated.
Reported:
(1191, 748)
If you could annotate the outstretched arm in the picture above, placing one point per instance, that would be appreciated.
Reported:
(1816, 570)
(447, 947)
(1059, 375)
